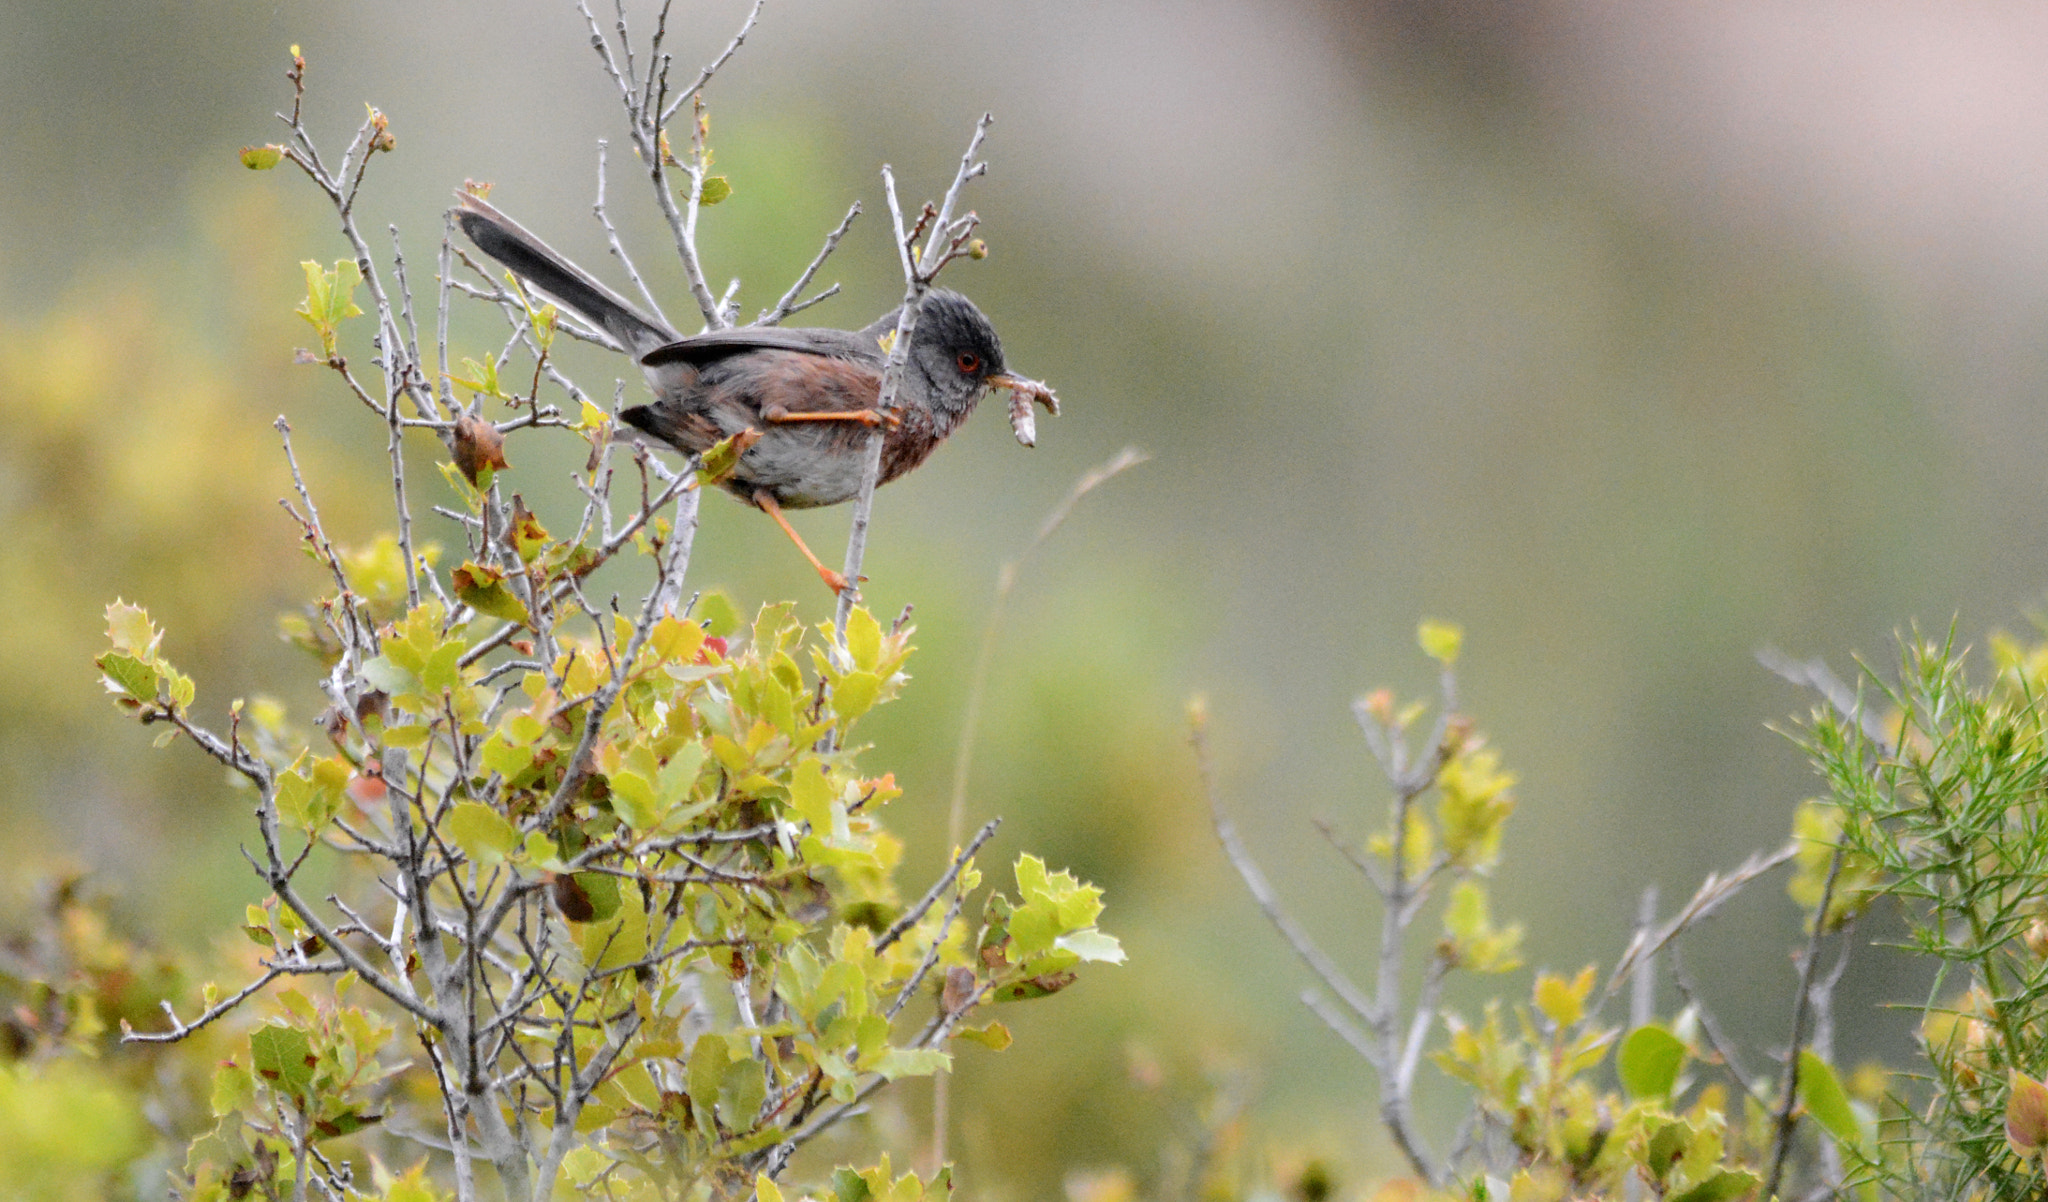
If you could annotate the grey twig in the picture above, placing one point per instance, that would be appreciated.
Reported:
(611, 235)
(1781, 1145)
(789, 303)
(916, 913)
(1268, 900)
(1709, 897)
(1816, 675)
(179, 1030)
(704, 77)
(917, 281)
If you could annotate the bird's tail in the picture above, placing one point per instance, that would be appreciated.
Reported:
(546, 272)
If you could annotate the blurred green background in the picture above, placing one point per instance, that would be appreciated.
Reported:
(1631, 340)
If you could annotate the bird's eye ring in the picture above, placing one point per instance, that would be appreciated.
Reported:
(968, 362)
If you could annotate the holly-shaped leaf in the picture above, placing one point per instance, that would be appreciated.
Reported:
(283, 1058)
(482, 588)
(330, 300)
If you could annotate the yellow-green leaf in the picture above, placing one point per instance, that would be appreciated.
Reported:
(481, 832)
(1440, 641)
(1821, 1090)
(1564, 1001)
(1649, 1061)
(483, 589)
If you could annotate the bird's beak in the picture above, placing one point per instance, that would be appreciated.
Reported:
(1023, 391)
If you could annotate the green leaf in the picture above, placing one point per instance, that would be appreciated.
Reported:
(1476, 944)
(1440, 641)
(718, 462)
(1723, 1186)
(602, 889)
(619, 940)
(994, 1036)
(849, 1186)
(1822, 1093)
(1667, 1145)
(708, 1061)
(262, 158)
(720, 616)
(509, 760)
(811, 796)
(1031, 929)
(1092, 944)
(633, 800)
(388, 677)
(528, 537)
(854, 694)
(483, 589)
(309, 794)
(1649, 1061)
(127, 676)
(329, 299)
(715, 189)
(233, 1089)
(680, 774)
(410, 735)
(741, 1092)
(863, 639)
(346, 1122)
(412, 1185)
(283, 1057)
(129, 629)
(483, 834)
(443, 670)
(910, 1062)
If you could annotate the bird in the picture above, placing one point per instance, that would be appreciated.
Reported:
(799, 403)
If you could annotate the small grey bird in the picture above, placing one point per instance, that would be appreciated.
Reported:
(800, 400)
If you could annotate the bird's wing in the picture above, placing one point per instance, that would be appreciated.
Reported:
(714, 345)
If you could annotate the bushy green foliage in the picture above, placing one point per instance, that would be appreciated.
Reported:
(1936, 805)
(631, 893)
(1936, 802)
(562, 895)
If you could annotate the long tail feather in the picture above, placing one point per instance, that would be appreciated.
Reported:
(557, 278)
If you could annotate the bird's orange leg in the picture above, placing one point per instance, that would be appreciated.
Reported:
(833, 580)
(866, 417)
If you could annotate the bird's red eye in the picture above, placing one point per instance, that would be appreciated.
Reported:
(969, 362)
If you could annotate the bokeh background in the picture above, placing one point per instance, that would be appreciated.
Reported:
(1633, 338)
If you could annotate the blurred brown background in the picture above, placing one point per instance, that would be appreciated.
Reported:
(1631, 337)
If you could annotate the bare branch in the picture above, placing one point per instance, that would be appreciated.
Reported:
(1709, 897)
(1809, 964)
(916, 913)
(704, 77)
(611, 235)
(1816, 675)
(788, 304)
(1269, 902)
(179, 1030)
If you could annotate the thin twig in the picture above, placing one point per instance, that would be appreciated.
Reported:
(1816, 675)
(916, 913)
(1268, 900)
(1709, 897)
(788, 304)
(1781, 1145)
